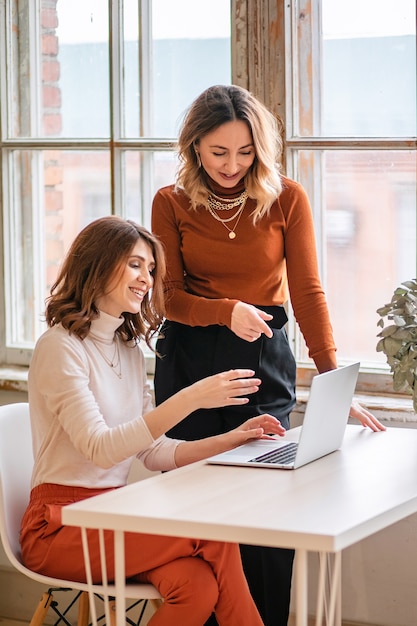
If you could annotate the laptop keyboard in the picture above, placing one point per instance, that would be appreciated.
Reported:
(282, 456)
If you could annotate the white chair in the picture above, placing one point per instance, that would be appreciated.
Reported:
(16, 462)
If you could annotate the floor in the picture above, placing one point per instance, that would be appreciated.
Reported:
(51, 618)
(10, 622)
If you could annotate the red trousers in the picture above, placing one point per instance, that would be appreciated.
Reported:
(195, 577)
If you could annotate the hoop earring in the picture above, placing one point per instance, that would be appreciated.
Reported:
(197, 154)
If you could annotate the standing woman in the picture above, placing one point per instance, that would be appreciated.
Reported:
(239, 241)
(91, 414)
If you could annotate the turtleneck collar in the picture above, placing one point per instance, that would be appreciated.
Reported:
(103, 328)
(225, 192)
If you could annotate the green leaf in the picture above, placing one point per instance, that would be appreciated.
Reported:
(400, 379)
(388, 331)
(391, 346)
(383, 311)
(380, 345)
(398, 340)
(402, 333)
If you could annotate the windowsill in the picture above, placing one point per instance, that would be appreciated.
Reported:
(388, 408)
(394, 409)
(13, 378)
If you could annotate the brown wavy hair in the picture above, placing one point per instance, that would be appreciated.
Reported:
(214, 107)
(98, 253)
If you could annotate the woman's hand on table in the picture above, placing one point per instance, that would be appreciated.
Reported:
(366, 418)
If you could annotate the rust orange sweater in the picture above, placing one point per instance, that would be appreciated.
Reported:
(264, 265)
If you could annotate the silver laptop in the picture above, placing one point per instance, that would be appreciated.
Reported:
(322, 432)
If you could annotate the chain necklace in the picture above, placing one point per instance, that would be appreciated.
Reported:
(237, 215)
(225, 204)
(115, 362)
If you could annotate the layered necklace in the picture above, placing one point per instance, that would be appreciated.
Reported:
(216, 203)
(114, 361)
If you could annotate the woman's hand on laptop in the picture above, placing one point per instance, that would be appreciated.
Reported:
(259, 427)
(366, 418)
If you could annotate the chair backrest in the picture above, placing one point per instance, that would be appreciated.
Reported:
(16, 463)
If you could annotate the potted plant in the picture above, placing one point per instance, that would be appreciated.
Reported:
(398, 340)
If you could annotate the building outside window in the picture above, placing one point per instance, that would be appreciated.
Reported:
(92, 100)
(351, 141)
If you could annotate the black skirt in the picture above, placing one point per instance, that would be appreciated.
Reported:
(188, 354)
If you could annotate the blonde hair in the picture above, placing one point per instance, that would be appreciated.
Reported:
(213, 108)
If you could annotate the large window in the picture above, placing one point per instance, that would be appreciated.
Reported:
(91, 103)
(351, 141)
(90, 106)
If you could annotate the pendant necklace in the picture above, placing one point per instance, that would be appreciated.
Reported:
(224, 204)
(114, 363)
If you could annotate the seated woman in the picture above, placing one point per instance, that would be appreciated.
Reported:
(91, 414)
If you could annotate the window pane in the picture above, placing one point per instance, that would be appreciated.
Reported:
(367, 237)
(188, 50)
(59, 83)
(363, 64)
(82, 59)
(73, 91)
(70, 189)
(145, 173)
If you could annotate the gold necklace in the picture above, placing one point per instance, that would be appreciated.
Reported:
(226, 204)
(238, 215)
(114, 363)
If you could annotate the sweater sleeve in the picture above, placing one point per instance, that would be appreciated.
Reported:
(160, 456)
(67, 414)
(306, 292)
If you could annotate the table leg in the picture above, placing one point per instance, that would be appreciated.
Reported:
(329, 605)
(301, 591)
(321, 607)
(335, 612)
(104, 579)
(120, 577)
(89, 576)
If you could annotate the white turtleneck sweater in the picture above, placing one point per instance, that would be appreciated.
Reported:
(87, 423)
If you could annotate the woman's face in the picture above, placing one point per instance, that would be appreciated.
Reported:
(227, 153)
(125, 290)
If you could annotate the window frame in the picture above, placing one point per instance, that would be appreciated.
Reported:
(116, 146)
(271, 27)
(267, 67)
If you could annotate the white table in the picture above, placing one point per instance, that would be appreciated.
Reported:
(323, 507)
